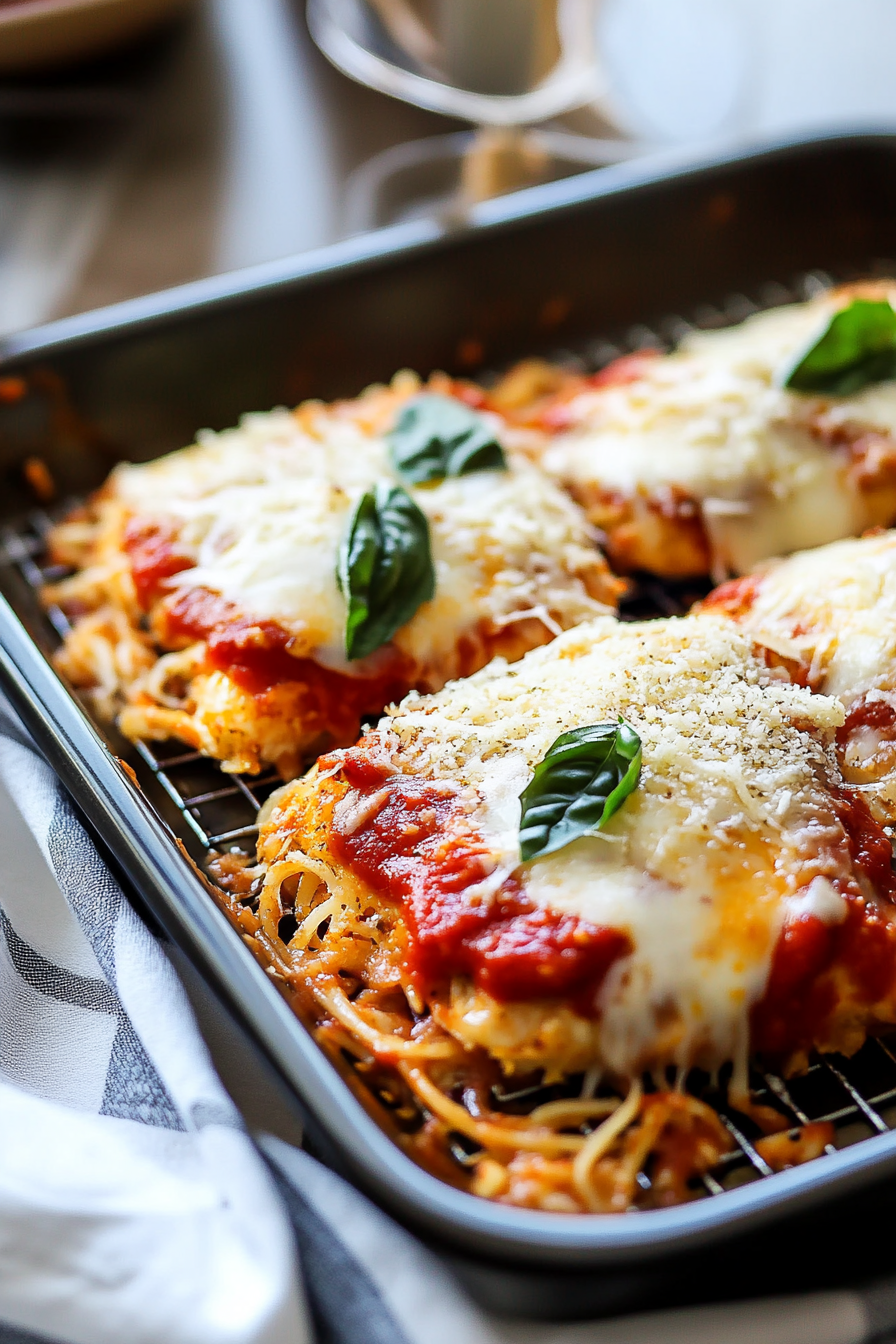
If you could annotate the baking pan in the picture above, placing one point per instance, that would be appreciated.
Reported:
(581, 269)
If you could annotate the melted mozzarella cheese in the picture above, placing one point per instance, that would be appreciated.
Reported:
(835, 607)
(730, 833)
(262, 509)
(714, 421)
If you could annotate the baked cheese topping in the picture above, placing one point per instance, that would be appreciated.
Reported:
(832, 611)
(834, 608)
(713, 421)
(731, 833)
(261, 511)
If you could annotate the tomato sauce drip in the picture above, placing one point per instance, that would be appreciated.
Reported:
(869, 845)
(878, 714)
(625, 369)
(255, 654)
(800, 995)
(618, 373)
(798, 998)
(152, 550)
(734, 598)
(421, 851)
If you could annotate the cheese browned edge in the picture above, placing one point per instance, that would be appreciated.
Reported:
(700, 461)
(829, 614)
(258, 512)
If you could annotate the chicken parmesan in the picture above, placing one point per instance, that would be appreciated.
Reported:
(258, 594)
(565, 870)
(829, 615)
(747, 442)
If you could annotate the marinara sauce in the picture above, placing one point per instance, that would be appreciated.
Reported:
(152, 550)
(254, 653)
(618, 373)
(420, 850)
(735, 597)
(802, 992)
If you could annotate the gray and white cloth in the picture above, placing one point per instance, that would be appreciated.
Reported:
(133, 1203)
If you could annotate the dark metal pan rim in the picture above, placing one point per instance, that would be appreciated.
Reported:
(63, 731)
(145, 852)
(182, 302)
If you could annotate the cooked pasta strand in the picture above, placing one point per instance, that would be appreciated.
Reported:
(598, 1143)
(491, 1134)
(573, 1110)
(381, 1045)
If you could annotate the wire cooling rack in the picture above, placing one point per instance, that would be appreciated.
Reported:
(211, 811)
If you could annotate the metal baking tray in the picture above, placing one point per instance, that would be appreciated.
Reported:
(579, 271)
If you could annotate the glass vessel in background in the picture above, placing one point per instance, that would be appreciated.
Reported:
(503, 65)
(491, 62)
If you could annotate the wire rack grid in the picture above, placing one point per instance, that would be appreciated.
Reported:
(219, 811)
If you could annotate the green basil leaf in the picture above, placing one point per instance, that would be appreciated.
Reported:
(385, 568)
(857, 347)
(436, 436)
(585, 777)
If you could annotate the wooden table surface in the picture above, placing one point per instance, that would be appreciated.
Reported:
(229, 141)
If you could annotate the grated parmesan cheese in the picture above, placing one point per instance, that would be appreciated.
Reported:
(835, 607)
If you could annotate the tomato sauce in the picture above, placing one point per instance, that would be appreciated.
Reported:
(865, 764)
(152, 550)
(471, 395)
(872, 452)
(798, 998)
(254, 653)
(878, 714)
(625, 369)
(734, 598)
(801, 994)
(421, 851)
(869, 845)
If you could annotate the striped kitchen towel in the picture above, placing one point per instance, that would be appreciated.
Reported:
(133, 1204)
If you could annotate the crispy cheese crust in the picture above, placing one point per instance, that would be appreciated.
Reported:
(700, 462)
(830, 616)
(735, 901)
(205, 601)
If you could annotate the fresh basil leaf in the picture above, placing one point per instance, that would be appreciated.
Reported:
(436, 436)
(857, 347)
(385, 568)
(585, 777)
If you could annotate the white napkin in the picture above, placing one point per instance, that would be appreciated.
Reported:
(133, 1206)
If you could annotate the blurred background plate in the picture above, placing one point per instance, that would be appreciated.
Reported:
(35, 34)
